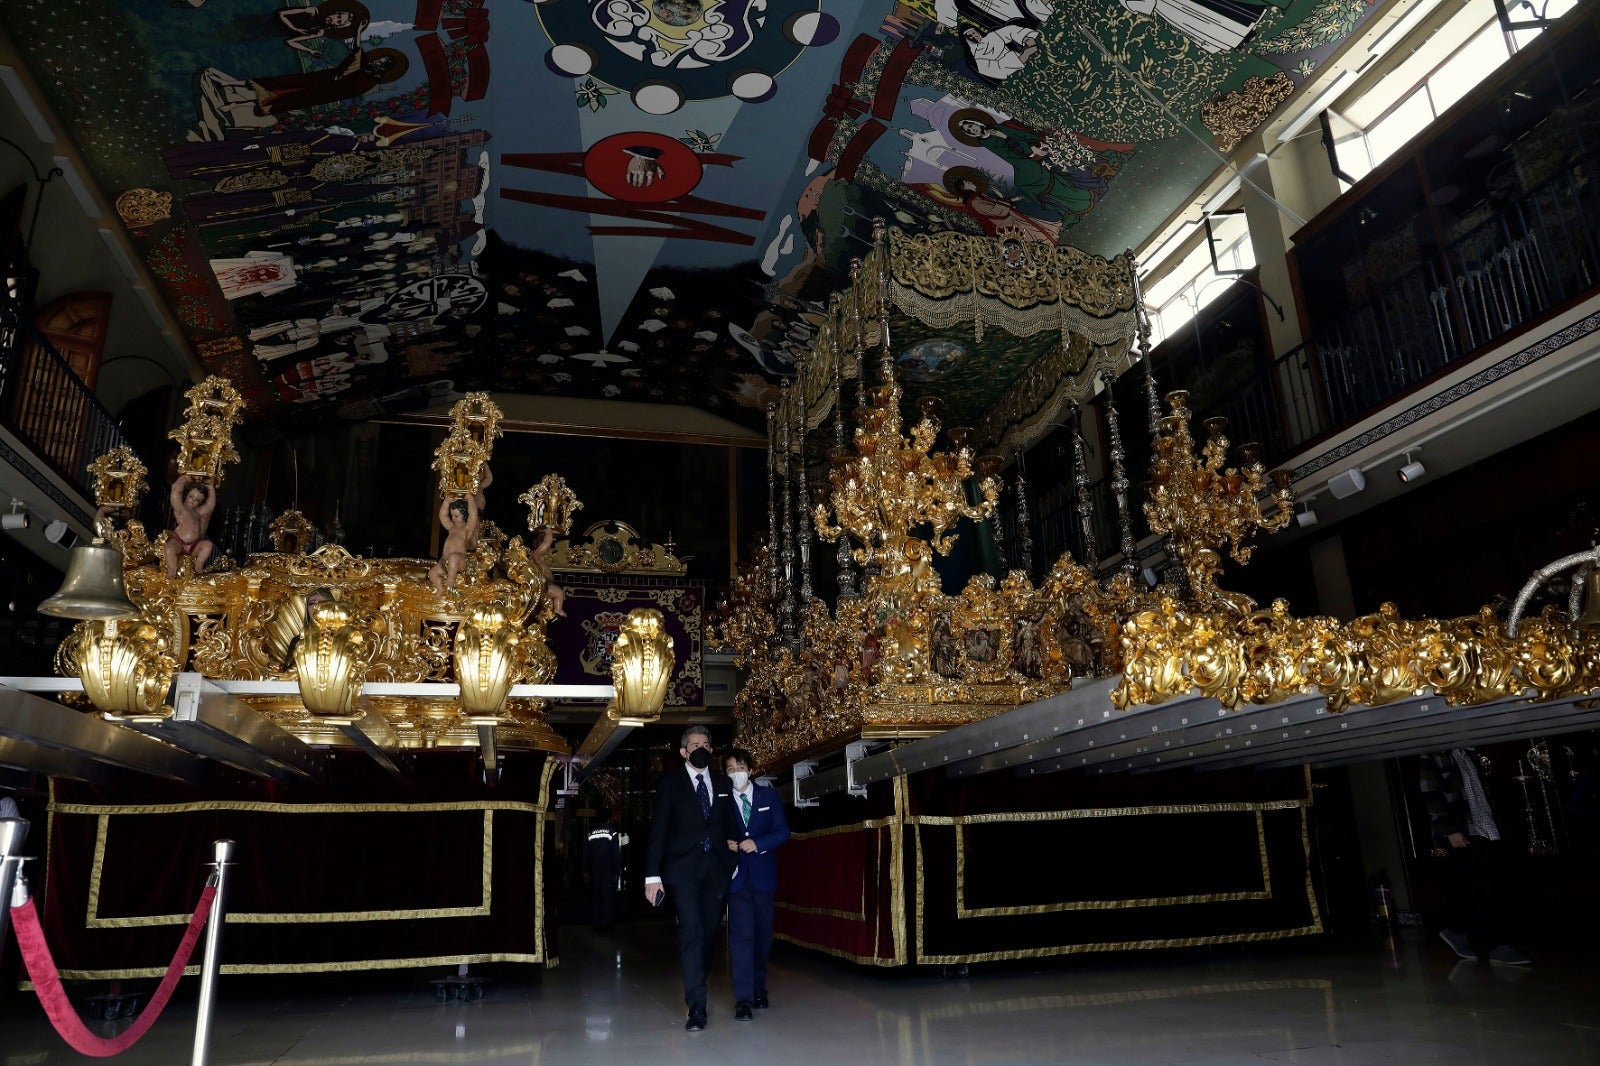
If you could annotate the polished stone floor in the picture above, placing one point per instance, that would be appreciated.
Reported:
(615, 999)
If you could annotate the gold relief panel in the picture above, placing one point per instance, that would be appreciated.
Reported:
(615, 548)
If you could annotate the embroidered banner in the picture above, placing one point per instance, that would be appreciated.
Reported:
(598, 604)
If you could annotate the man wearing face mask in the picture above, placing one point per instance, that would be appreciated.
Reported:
(688, 860)
(762, 829)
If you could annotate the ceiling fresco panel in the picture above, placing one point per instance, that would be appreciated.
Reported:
(358, 208)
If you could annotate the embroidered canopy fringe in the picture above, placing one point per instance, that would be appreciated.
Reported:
(47, 982)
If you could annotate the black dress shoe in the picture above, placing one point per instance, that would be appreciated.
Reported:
(742, 1012)
(761, 1000)
(696, 1022)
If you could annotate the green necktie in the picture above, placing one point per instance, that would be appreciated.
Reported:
(745, 800)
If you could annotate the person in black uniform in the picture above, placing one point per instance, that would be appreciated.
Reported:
(689, 862)
(602, 865)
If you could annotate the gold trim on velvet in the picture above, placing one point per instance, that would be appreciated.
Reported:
(302, 808)
(834, 830)
(92, 919)
(840, 953)
(1123, 945)
(963, 911)
(1103, 812)
(1127, 945)
(1305, 844)
(829, 912)
(229, 969)
(897, 882)
(550, 961)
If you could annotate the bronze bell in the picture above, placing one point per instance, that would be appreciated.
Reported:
(93, 587)
(1591, 600)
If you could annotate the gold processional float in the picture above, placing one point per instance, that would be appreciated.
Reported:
(330, 621)
(897, 657)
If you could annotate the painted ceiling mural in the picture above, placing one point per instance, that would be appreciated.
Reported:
(359, 207)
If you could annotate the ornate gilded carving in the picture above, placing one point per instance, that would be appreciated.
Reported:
(205, 440)
(126, 667)
(551, 505)
(641, 665)
(144, 207)
(1204, 507)
(292, 533)
(1234, 116)
(486, 660)
(329, 662)
(615, 548)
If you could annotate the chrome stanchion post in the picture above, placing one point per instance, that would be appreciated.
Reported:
(221, 860)
(13, 834)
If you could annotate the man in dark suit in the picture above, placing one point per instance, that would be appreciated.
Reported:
(689, 861)
(758, 810)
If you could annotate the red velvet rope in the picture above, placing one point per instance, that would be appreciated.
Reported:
(42, 971)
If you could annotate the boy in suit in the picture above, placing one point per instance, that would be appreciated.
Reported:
(694, 810)
(762, 828)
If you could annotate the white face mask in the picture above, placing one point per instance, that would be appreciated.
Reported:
(740, 779)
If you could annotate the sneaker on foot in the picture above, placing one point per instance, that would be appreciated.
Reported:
(1506, 955)
(1459, 944)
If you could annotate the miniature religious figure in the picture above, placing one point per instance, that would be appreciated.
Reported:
(459, 517)
(541, 561)
(192, 505)
(1026, 655)
(945, 655)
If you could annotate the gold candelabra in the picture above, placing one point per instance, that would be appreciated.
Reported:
(896, 482)
(1204, 506)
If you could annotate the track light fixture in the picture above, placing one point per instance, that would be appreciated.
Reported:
(58, 532)
(1347, 484)
(1308, 517)
(17, 518)
(1413, 470)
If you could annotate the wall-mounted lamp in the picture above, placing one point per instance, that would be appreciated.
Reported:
(1306, 518)
(17, 518)
(1347, 484)
(1413, 470)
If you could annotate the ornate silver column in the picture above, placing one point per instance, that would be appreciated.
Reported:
(773, 547)
(1152, 400)
(847, 575)
(802, 498)
(1080, 482)
(1024, 523)
(1119, 480)
(786, 610)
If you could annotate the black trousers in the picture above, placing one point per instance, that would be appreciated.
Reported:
(1477, 910)
(697, 892)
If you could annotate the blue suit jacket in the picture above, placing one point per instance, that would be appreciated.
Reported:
(768, 828)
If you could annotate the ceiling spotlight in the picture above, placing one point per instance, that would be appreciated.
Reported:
(1307, 517)
(57, 532)
(1151, 578)
(1412, 470)
(1347, 484)
(17, 518)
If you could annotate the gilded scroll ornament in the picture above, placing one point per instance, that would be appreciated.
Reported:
(641, 665)
(329, 662)
(126, 668)
(486, 660)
